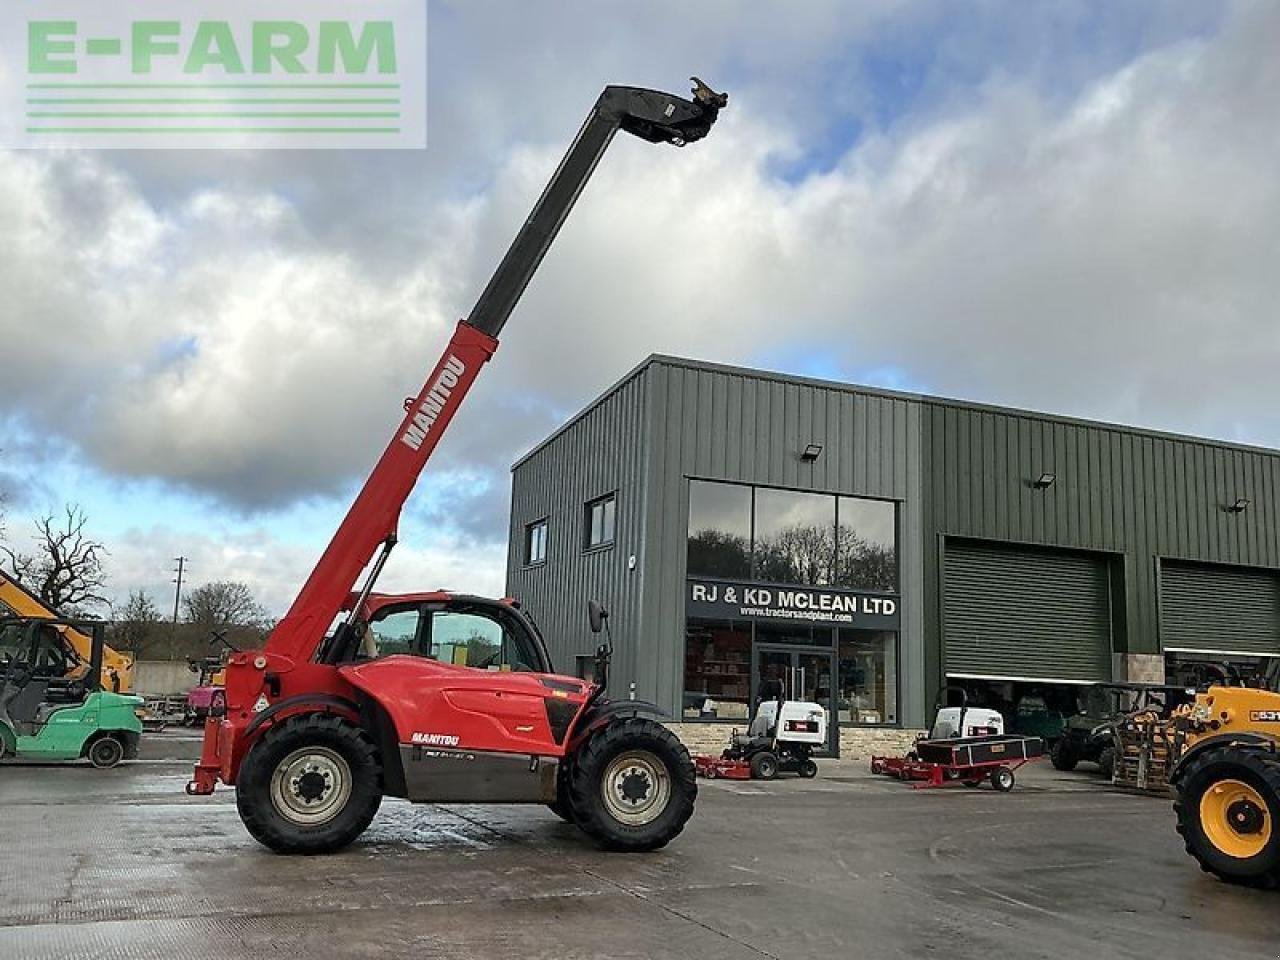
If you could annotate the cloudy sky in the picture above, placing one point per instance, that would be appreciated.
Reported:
(1067, 207)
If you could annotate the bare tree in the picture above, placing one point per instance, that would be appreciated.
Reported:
(223, 604)
(65, 570)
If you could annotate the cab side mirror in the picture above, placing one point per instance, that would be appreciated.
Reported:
(597, 615)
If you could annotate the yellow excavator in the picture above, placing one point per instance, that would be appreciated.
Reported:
(1226, 782)
(117, 668)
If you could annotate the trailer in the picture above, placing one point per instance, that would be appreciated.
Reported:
(963, 760)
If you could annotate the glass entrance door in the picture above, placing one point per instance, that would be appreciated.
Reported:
(798, 674)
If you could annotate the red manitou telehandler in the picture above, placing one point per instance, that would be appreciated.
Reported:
(440, 697)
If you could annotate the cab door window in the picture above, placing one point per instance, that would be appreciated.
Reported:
(397, 632)
(470, 639)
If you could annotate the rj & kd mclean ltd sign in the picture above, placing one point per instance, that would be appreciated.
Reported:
(757, 601)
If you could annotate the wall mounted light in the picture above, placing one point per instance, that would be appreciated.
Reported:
(1241, 504)
(1044, 481)
(811, 453)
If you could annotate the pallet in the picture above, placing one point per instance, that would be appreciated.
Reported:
(1147, 747)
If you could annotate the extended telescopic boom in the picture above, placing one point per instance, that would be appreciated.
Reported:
(648, 114)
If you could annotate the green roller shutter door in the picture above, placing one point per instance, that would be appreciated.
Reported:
(1219, 609)
(1017, 613)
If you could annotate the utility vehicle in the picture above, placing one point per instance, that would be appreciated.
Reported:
(1090, 735)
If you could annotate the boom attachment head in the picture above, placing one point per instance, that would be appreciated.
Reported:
(662, 118)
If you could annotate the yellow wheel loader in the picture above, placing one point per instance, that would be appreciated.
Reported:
(1227, 782)
(117, 668)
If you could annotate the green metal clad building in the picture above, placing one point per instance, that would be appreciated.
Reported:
(864, 547)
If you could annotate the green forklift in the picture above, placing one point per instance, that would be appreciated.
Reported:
(51, 711)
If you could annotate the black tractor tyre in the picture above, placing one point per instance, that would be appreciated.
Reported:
(632, 786)
(764, 766)
(309, 759)
(808, 769)
(1063, 756)
(562, 805)
(1107, 762)
(105, 752)
(1261, 772)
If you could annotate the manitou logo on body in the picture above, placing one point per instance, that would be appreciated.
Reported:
(424, 418)
(214, 73)
(434, 740)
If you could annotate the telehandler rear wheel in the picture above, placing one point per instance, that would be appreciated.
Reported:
(310, 785)
(633, 785)
(1228, 808)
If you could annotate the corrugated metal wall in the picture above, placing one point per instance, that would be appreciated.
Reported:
(1116, 490)
(600, 451)
(720, 423)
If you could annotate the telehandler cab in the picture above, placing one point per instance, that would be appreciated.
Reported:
(322, 723)
(1227, 781)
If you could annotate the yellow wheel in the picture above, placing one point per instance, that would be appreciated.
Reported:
(1234, 817)
(1228, 808)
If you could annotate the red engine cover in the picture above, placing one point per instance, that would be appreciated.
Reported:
(441, 705)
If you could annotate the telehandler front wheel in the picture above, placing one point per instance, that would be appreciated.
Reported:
(562, 805)
(632, 786)
(310, 785)
(1228, 808)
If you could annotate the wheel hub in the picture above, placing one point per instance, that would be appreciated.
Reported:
(635, 788)
(1235, 819)
(311, 786)
(1246, 817)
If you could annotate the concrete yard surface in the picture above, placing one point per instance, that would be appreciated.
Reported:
(120, 864)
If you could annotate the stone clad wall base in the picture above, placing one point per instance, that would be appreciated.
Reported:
(856, 743)
(1138, 667)
(861, 743)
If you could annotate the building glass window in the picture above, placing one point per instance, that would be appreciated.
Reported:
(868, 677)
(600, 518)
(719, 530)
(795, 537)
(867, 544)
(535, 543)
(717, 670)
